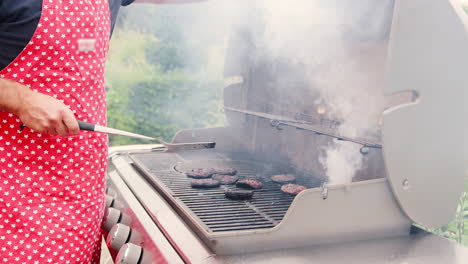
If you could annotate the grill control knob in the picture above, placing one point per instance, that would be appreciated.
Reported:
(113, 216)
(121, 234)
(133, 254)
(117, 204)
(109, 201)
(110, 192)
(129, 254)
(118, 236)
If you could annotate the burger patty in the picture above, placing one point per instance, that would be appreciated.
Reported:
(225, 171)
(238, 194)
(292, 189)
(225, 179)
(249, 184)
(283, 178)
(204, 183)
(199, 173)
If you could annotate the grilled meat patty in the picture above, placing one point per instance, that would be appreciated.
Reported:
(204, 183)
(249, 184)
(238, 194)
(225, 179)
(199, 173)
(283, 178)
(292, 189)
(225, 171)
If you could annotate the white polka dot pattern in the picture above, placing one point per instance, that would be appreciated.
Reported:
(52, 188)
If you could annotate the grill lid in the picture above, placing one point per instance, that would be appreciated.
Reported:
(425, 170)
(425, 164)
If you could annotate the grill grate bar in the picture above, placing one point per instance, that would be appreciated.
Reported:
(227, 218)
(224, 224)
(210, 206)
(240, 228)
(223, 212)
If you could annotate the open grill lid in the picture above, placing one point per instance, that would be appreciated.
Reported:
(425, 146)
(425, 165)
(271, 106)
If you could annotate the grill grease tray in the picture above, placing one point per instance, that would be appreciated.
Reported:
(209, 206)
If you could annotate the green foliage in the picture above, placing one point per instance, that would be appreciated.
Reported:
(167, 55)
(160, 80)
(458, 229)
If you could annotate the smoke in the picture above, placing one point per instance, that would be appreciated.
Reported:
(342, 47)
(340, 44)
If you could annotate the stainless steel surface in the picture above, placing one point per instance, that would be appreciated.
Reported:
(412, 249)
(109, 200)
(111, 217)
(118, 236)
(427, 159)
(262, 226)
(325, 190)
(169, 146)
(129, 254)
(151, 238)
(159, 214)
(265, 210)
(316, 127)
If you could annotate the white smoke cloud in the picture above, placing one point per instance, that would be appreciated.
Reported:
(342, 45)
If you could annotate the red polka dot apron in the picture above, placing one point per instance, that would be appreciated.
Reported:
(52, 187)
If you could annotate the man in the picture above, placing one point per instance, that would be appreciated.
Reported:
(52, 176)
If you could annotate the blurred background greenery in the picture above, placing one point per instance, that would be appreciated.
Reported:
(457, 230)
(161, 79)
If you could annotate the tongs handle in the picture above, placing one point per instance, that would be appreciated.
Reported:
(86, 126)
(102, 129)
(83, 126)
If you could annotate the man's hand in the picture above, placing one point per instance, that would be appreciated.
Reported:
(37, 111)
(46, 114)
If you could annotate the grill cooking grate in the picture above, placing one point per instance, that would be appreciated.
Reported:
(209, 206)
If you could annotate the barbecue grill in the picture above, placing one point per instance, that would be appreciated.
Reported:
(412, 173)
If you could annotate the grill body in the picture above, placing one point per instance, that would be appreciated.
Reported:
(127, 183)
(271, 220)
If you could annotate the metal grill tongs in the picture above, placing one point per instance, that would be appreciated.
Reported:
(170, 146)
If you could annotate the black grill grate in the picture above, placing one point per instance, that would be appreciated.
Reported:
(216, 213)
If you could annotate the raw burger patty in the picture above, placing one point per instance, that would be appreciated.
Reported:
(225, 171)
(238, 194)
(199, 173)
(249, 184)
(283, 178)
(204, 183)
(292, 189)
(225, 179)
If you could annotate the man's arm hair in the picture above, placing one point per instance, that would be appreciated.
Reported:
(37, 111)
(11, 94)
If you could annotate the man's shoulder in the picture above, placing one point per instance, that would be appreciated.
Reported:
(127, 2)
(120, 2)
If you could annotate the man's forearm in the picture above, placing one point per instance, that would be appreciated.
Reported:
(37, 111)
(11, 94)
